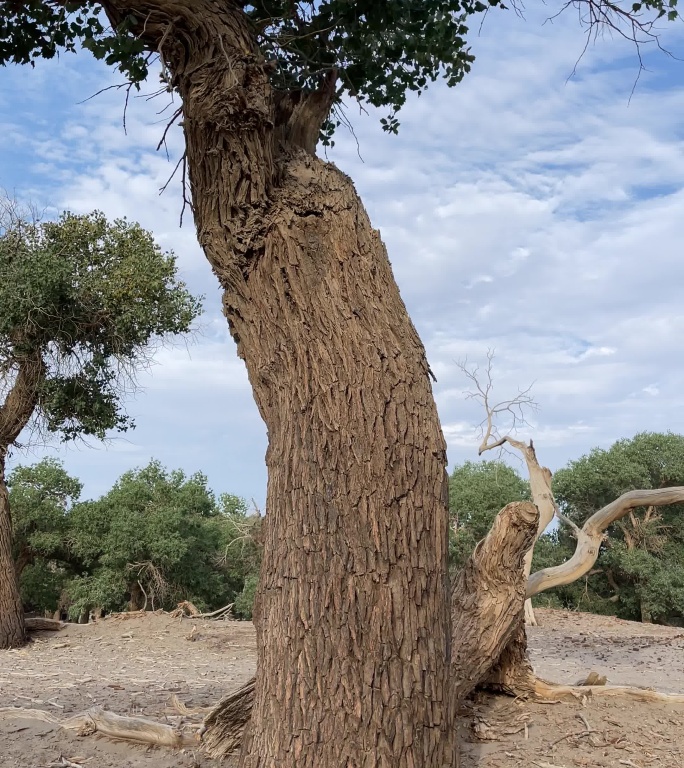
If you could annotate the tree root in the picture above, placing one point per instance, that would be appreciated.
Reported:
(97, 720)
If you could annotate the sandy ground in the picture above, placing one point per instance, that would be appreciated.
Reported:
(134, 666)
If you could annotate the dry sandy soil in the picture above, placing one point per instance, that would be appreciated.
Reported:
(135, 665)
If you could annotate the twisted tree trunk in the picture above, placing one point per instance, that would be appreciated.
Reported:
(12, 632)
(15, 413)
(352, 606)
(351, 611)
(488, 597)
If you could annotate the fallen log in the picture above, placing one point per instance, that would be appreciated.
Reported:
(98, 720)
(39, 624)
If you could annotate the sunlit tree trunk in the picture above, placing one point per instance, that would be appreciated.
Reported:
(12, 633)
(15, 413)
(351, 612)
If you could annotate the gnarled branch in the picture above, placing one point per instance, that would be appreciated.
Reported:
(592, 533)
(21, 400)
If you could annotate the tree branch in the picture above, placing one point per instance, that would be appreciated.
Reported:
(540, 477)
(591, 535)
(21, 400)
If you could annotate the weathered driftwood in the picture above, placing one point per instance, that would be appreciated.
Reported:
(39, 624)
(591, 534)
(98, 720)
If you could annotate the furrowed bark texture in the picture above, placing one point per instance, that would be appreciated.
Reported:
(226, 723)
(542, 496)
(15, 413)
(486, 604)
(12, 633)
(488, 596)
(512, 673)
(352, 607)
(351, 618)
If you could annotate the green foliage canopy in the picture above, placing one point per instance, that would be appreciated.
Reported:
(86, 298)
(641, 566)
(157, 537)
(381, 50)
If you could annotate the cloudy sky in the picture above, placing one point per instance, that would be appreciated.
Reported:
(526, 211)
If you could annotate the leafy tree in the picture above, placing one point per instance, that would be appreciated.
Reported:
(356, 456)
(81, 302)
(157, 537)
(478, 491)
(240, 554)
(148, 543)
(642, 561)
(41, 497)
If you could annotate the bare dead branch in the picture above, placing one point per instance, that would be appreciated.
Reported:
(592, 533)
(511, 410)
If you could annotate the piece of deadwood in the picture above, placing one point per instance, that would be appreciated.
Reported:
(37, 624)
(96, 719)
(593, 678)
(545, 690)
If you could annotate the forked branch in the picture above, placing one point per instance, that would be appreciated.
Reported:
(592, 534)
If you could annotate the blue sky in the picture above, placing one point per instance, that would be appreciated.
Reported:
(522, 211)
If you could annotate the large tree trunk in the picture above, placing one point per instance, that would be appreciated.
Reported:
(351, 611)
(486, 603)
(15, 413)
(12, 632)
(352, 607)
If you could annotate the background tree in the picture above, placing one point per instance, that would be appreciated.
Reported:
(640, 568)
(41, 497)
(81, 301)
(241, 549)
(156, 538)
(338, 371)
(150, 542)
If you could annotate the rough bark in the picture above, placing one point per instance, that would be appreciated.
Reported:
(540, 490)
(512, 672)
(486, 601)
(488, 596)
(15, 414)
(351, 613)
(225, 725)
(12, 632)
(352, 610)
